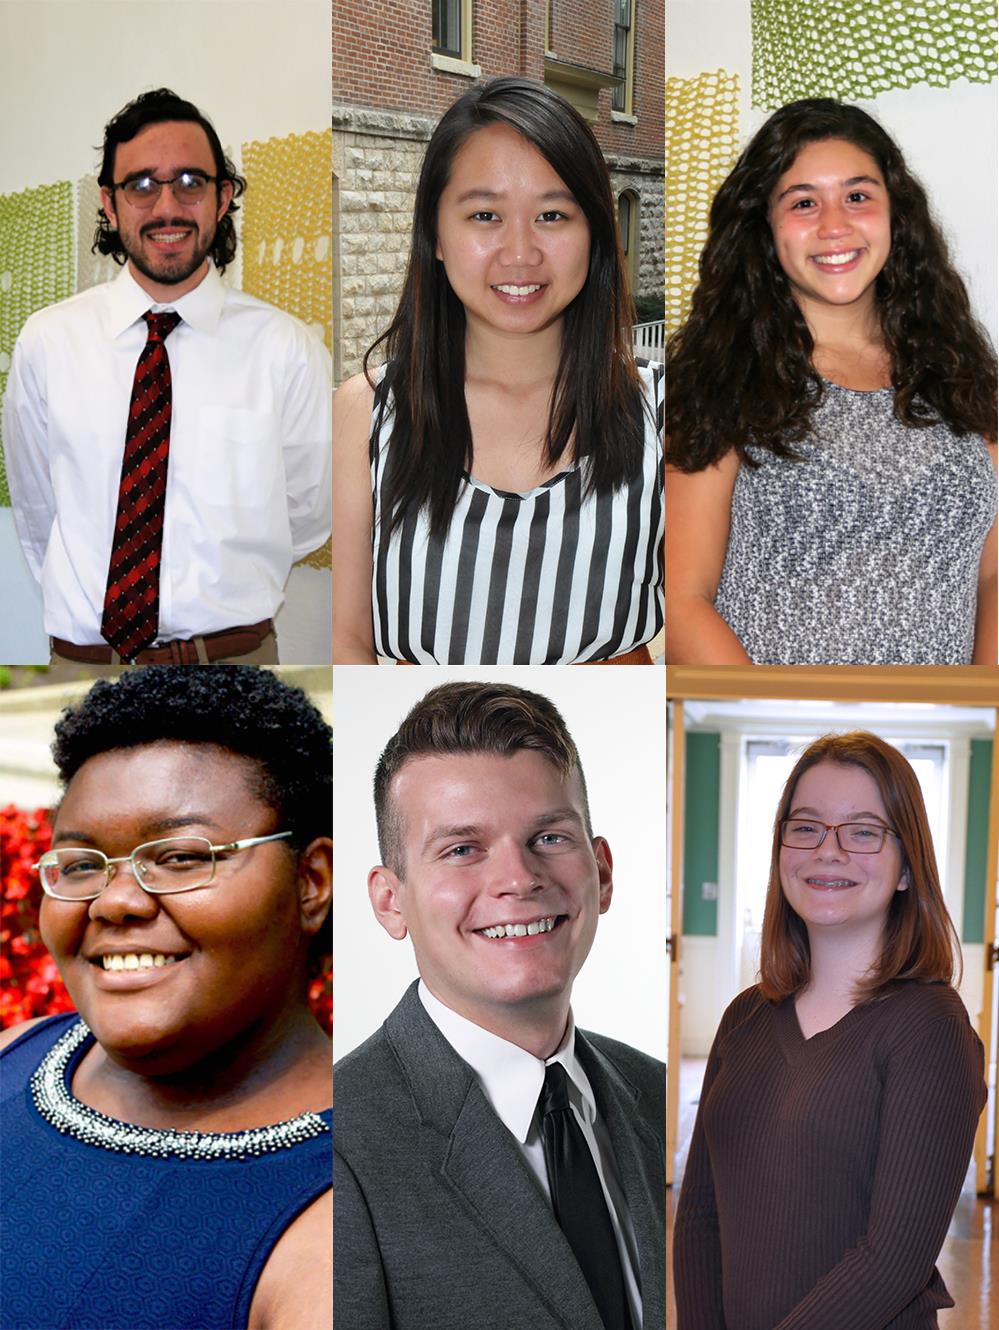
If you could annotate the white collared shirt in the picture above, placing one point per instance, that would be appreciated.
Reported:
(248, 488)
(511, 1079)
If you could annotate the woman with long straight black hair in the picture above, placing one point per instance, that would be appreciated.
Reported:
(498, 482)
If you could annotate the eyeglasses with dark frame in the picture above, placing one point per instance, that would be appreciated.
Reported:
(161, 867)
(142, 191)
(807, 833)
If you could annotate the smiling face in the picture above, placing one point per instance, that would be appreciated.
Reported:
(167, 244)
(828, 887)
(502, 885)
(514, 242)
(831, 222)
(238, 945)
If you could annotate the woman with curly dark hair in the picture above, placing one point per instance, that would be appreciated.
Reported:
(831, 407)
(498, 495)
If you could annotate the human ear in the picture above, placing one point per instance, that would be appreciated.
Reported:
(107, 203)
(605, 867)
(225, 198)
(315, 883)
(384, 894)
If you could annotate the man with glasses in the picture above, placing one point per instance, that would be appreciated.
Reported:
(167, 437)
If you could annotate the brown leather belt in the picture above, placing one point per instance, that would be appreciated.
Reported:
(181, 651)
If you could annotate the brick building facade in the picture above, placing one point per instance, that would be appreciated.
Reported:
(399, 64)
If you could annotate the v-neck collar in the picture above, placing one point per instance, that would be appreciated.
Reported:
(795, 1047)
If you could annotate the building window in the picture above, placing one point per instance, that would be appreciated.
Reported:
(624, 55)
(447, 27)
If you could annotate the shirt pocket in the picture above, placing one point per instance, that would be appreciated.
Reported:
(239, 457)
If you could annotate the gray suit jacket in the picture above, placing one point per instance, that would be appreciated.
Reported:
(440, 1224)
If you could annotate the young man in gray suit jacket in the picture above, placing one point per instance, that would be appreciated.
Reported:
(496, 1168)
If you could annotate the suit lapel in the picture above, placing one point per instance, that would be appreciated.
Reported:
(639, 1152)
(482, 1163)
(485, 1166)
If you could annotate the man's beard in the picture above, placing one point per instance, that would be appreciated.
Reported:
(170, 271)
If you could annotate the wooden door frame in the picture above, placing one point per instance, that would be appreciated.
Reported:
(673, 1055)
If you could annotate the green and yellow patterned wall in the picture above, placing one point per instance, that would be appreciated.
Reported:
(36, 266)
(847, 49)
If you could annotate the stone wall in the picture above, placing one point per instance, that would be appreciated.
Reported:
(376, 166)
(646, 179)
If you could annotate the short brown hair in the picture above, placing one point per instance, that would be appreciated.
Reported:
(470, 717)
(920, 941)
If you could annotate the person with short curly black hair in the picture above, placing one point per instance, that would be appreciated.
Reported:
(831, 417)
(174, 1135)
(178, 548)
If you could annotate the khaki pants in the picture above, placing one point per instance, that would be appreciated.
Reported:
(70, 671)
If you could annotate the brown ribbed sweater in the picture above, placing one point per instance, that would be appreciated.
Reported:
(823, 1173)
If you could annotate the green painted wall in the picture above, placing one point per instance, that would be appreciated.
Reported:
(700, 831)
(976, 853)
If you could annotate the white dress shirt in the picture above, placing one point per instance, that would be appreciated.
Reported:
(511, 1079)
(248, 487)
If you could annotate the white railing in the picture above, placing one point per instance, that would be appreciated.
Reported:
(649, 340)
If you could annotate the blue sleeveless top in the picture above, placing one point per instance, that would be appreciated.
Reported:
(108, 1226)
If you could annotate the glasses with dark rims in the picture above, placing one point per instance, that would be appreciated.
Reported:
(142, 191)
(162, 867)
(806, 833)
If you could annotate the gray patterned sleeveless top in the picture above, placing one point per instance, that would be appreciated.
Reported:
(867, 551)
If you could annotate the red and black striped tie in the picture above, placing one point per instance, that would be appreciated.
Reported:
(132, 600)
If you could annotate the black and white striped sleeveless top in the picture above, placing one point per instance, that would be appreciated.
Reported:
(542, 578)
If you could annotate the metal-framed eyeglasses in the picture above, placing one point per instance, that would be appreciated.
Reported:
(806, 833)
(162, 867)
(142, 191)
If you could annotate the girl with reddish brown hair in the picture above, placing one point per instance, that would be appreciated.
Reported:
(842, 1092)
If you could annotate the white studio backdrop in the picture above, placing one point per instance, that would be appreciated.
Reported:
(948, 136)
(258, 69)
(618, 720)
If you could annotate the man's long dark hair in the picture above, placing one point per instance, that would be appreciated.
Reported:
(740, 370)
(596, 404)
(153, 108)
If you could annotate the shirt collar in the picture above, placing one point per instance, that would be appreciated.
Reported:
(510, 1077)
(201, 308)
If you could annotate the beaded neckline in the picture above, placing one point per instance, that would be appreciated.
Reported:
(58, 1106)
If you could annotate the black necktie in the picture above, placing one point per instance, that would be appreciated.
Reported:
(578, 1200)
